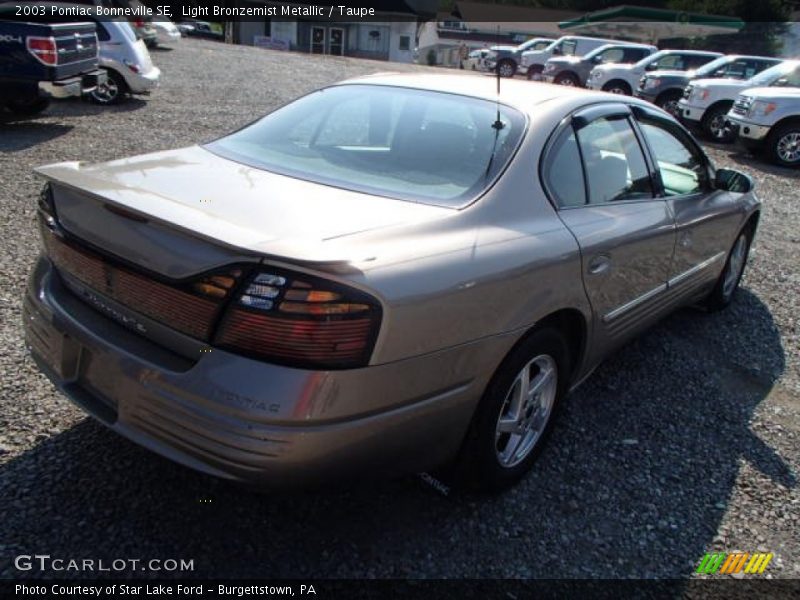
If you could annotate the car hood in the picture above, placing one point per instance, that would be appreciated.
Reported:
(671, 74)
(719, 84)
(565, 60)
(773, 93)
(503, 48)
(238, 206)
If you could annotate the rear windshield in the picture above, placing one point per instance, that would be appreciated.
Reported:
(431, 147)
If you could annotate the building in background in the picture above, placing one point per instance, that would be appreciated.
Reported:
(391, 35)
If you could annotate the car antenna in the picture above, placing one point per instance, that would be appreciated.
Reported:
(498, 124)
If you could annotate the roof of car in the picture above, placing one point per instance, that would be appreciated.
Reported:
(518, 93)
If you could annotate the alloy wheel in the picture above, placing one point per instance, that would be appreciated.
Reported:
(506, 69)
(526, 410)
(788, 147)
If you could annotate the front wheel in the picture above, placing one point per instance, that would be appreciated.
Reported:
(568, 79)
(516, 413)
(29, 106)
(783, 145)
(669, 102)
(731, 275)
(113, 91)
(506, 68)
(714, 125)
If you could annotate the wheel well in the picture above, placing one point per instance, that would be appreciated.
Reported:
(793, 119)
(619, 82)
(568, 73)
(719, 104)
(570, 323)
(752, 223)
(668, 94)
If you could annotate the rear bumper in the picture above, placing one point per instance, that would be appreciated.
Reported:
(251, 421)
(73, 86)
(143, 83)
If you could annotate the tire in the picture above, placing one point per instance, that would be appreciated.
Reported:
(618, 87)
(491, 460)
(568, 79)
(534, 70)
(113, 92)
(728, 282)
(28, 107)
(713, 124)
(783, 145)
(669, 101)
(507, 68)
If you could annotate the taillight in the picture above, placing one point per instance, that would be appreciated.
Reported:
(43, 49)
(138, 23)
(132, 66)
(301, 321)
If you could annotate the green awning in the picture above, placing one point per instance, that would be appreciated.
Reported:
(650, 24)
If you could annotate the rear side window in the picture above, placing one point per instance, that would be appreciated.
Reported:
(614, 162)
(563, 173)
(632, 55)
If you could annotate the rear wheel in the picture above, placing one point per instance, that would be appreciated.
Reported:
(728, 282)
(669, 101)
(29, 106)
(783, 145)
(516, 413)
(568, 79)
(506, 67)
(713, 124)
(113, 91)
(618, 87)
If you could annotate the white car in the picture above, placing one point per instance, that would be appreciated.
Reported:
(623, 79)
(476, 60)
(127, 61)
(706, 102)
(167, 32)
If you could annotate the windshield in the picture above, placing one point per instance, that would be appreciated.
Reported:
(431, 147)
(651, 59)
(773, 74)
(534, 44)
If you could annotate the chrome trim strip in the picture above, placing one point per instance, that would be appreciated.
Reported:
(634, 303)
(695, 269)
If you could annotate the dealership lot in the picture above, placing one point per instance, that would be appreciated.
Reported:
(685, 442)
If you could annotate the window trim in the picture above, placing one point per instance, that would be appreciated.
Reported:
(587, 114)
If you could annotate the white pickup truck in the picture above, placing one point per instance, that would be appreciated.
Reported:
(767, 119)
(706, 102)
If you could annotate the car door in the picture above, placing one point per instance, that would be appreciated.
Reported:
(705, 218)
(598, 176)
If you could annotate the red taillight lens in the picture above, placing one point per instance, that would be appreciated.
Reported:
(192, 310)
(138, 23)
(302, 321)
(44, 49)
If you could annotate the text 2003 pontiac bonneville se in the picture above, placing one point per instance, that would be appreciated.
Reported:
(390, 274)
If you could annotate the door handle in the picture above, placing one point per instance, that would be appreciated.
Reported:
(599, 264)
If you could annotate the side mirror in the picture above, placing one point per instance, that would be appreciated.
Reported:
(732, 181)
(650, 67)
(782, 82)
(556, 51)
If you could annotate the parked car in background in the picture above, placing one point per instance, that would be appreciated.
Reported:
(127, 61)
(365, 280)
(767, 119)
(706, 102)
(665, 88)
(624, 79)
(507, 59)
(166, 31)
(533, 60)
(141, 23)
(476, 60)
(574, 70)
(201, 29)
(40, 61)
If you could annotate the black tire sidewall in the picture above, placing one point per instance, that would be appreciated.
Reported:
(478, 465)
(708, 117)
(618, 84)
(29, 108)
(772, 143)
(507, 61)
(561, 77)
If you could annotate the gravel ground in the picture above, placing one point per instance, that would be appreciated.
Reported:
(686, 441)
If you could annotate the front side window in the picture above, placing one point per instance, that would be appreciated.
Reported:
(612, 55)
(568, 47)
(682, 168)
(674, 62)
(614, 162)
(430, 147)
